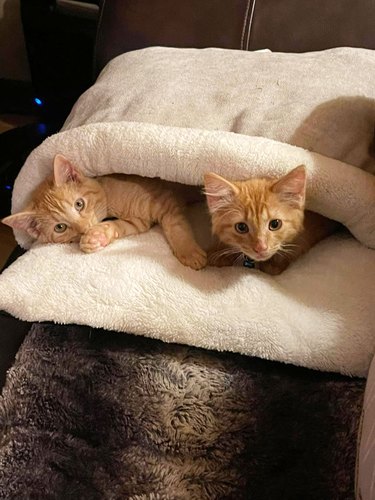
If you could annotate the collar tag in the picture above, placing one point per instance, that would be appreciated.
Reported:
(247, 262)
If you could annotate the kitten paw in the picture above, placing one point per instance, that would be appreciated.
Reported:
(97, 238)
(196, 258)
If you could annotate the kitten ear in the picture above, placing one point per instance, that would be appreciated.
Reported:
(64, 171)
(26, 221)
(292, 187)
(219, 192)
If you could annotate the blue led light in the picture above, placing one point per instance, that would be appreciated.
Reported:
(38, 101)
(8, 187)
(42, 128)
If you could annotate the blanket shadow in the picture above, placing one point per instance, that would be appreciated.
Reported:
(343, 129)
(337, 291)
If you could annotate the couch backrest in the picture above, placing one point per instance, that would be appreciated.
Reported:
(285, 26)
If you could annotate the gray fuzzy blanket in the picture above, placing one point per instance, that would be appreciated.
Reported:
(89, 414)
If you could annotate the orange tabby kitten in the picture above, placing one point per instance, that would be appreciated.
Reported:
(69, 207)
(263, 219)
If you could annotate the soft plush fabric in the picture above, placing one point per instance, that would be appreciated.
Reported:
(322, 101)
(90, 414)
(319, 313)
(335, 189)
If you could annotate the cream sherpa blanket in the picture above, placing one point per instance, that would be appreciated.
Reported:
(172, 113)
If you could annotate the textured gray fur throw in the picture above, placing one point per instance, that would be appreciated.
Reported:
(88, 414)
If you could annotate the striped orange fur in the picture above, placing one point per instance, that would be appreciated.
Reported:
(262, 218)
(69, 207)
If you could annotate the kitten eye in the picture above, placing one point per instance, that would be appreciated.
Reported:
(241, 227)
(79, 204)
(60, 228)
(275, 224)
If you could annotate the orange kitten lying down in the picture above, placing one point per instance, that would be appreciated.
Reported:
(69, 207)
(263, 219)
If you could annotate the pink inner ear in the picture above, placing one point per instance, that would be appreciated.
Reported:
(292, 187)
(218, 191)
(64, 171)
(25, 221)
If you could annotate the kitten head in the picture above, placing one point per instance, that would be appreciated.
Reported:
(63, 206)
(257, 217)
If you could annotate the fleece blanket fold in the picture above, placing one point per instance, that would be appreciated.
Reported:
(319, 313)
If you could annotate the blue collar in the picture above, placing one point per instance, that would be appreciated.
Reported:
(247, 262)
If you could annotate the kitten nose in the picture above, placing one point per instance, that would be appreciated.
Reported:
(260, 246)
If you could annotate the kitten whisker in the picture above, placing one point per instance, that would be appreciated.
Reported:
(286, 252)
(284, 245)
(286, 249)
(239, 259)
(225, 252)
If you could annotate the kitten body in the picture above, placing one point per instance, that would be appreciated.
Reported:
(70, 207)
(264, 219)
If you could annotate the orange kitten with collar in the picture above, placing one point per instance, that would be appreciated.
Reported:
(70, 207)
(263, 219)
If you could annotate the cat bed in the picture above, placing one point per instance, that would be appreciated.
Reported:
(140, 118)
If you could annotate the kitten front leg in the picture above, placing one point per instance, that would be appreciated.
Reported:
(181, 239)
(102, 234)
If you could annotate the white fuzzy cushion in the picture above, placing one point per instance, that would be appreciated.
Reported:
(147, 114)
